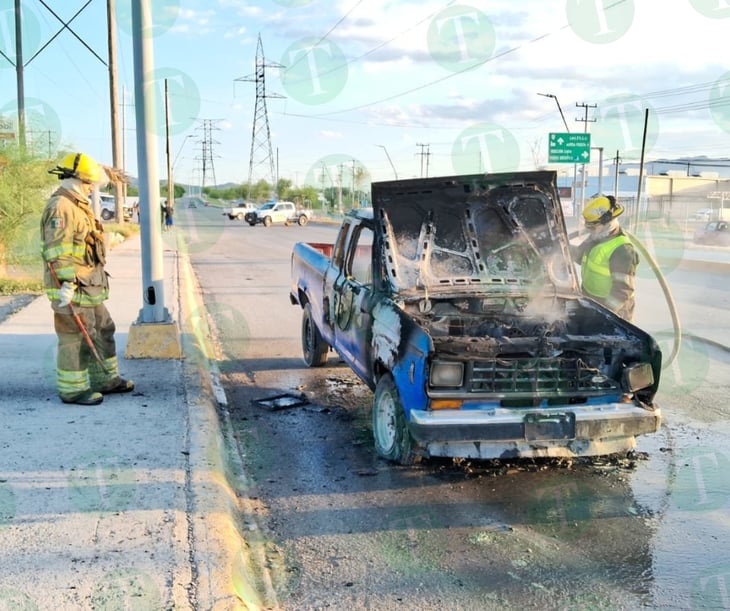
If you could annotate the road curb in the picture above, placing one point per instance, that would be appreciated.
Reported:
(213, 523)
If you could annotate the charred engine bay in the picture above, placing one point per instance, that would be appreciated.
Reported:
(516, 328)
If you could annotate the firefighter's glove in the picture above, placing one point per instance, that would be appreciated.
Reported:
(66, 293)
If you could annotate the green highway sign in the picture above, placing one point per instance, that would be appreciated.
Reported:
(569, 148)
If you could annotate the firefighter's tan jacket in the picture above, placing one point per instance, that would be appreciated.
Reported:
(73, 243)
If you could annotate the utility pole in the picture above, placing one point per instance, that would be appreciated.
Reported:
(425, 154)
(616, 161)
(170, 185)
(19, 76)
(339, 188)
(585, 121)
(119, 190)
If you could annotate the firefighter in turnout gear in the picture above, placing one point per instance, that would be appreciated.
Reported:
(77, 285)
(607, 259)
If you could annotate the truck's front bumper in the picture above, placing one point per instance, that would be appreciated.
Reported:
(511, 433)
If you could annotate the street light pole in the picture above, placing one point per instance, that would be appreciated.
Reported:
(389, 159)
(560, 110)
(567, 129)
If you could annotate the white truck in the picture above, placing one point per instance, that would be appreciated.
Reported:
(239, 210)
(279, 212)
(107, 207)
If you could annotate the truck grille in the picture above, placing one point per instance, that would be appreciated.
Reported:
(536, 376)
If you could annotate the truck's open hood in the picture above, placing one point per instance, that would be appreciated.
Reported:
(495, 233)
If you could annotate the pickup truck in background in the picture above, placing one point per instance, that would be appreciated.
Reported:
(456, 301)
(107, 207)
(278, 212)
(238, 210)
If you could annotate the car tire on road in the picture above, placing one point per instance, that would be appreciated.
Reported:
(314, 348)
(107, 215)
(392, 438)
(302, 220)
(267, 221)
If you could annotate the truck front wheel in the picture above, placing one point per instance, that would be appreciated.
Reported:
(392, 439)
(267, 221)
(314, 348)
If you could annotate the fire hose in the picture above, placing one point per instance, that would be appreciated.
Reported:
(676, 325)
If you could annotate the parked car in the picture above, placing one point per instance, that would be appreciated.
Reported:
(715, 233)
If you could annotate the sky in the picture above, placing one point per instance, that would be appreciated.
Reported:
(375, 89)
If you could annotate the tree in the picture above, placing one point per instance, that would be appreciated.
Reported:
(179, 191)
(25, 185)
(283, 188)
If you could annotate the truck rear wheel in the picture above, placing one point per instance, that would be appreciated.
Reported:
(314, 348)
(392, 438)
(302, 220)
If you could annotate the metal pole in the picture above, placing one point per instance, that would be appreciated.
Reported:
(170, 185)
(641, 169)
(153, 293)
(389, 160)
(600, 169)
(19, 76)
(113, 105)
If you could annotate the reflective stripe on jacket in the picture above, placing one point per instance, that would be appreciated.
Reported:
(69, 244)
(595, 266)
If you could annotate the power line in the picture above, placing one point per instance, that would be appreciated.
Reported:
(323, 38)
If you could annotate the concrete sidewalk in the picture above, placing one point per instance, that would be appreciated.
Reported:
(122, 505)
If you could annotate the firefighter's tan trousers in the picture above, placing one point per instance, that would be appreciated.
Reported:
(77, 371)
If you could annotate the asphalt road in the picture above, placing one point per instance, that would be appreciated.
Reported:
(333, 526)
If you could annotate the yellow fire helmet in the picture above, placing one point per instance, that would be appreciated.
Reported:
(600, 210)
(78, 165)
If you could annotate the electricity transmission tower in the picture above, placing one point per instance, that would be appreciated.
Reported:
(206, 152)
(261, 159)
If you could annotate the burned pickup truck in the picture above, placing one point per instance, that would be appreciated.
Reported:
(456, 301)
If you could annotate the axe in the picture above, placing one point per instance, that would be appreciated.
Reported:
(80, 324)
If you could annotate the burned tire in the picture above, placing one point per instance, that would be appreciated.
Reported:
(267, 221)
(314, 348)
(392, 439)
(302, 220)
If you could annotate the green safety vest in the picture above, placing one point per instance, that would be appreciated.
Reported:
(595, 268)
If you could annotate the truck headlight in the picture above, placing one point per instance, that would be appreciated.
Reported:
(447, 373)
(638, 376)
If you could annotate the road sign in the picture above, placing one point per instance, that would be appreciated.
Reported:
(569, 148)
